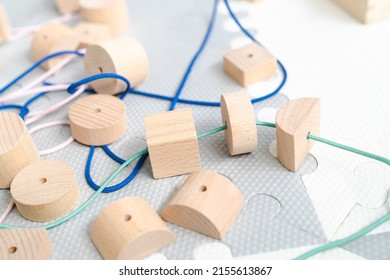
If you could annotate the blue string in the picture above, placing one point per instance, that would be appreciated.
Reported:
(12, 106)
(25, 110)
(112, 155)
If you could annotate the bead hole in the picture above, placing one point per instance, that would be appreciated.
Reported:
(98, 110)
(100, 69)
(12, 250)
(127, 218)
(203, 188)
(43, 180)
(250, 55)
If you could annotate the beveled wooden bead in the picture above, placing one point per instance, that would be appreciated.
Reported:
(129, 229)
(67, 6)
(17, 148)
(249, 64)
(98, 119)
(5, 26)
(237, 113)
(207, 203)
(92, 33)
(367, 11)
(45, 190)
(25, 244)
(124, 56)
(294, 120)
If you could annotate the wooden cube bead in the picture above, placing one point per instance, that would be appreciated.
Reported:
(67, 6)
(25, 244)
(207, 203)
(172, 143)
(237, 113)
(5, 26)
(124, 56)
(129, 229)
(17, 148)
(249, 64)
(294, 120)
(92, 33)
(367, 11)
(45, 190)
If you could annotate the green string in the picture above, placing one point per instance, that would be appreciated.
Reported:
(260, 123)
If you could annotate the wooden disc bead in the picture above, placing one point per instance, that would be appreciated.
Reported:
(207, 203)
(5, 26)
(114, 13)
(45, 190)
(67, 6)
(237, 113)
(17, 148)
(124, 56)
(92, 33)
(129, 229)
(98, 119)
(25, 244)
(50, 38)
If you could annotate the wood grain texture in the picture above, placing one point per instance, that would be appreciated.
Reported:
(17, 148)
(45, 190)
(367, 11)
(113, 13)
(294, 120)
(98, 119)
(25, 244)
(172, 143)
(249, 64)
(237, 113)
(129, 229)
(124, 56)
(67, 6)
(50, 38)
(5, 26)
(92, 33)
(207, 203)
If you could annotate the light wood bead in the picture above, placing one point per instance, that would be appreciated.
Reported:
(129, 229)
(50, 38)
(237, 113)
(114, 13)
(45, 190)
(124, 56)
(367, 11)
(25, 244)
(207, 203)
(92, 33)
(249, 64)
(172, 143)
(98, 119)
(17, 148)
(5, 26)
(67, 6)
(294, 120)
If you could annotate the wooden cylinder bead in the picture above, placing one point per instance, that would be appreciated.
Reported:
(45, 190)
(294, 120)
(67, 6)
(239, 117)
(124, 56)
(92, 33)
(17, 148)
(25, 244)
(5, 26)
(98, 119)
(129, 229)
(114, 13)
(50, 38)
(207, 203)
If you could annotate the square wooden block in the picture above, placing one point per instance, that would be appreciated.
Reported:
(172, 143)
(249, 64)
(367, 11)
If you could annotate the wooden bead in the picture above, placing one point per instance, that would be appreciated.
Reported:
(249, 64)
(50, 38)
(237, 113)
(17, 148)
(5, 26)
(67, 6)
(129, 229)
(207, 203)
(113, 13)
(172, 143)
(25, 244)
(294, 120)
(124, 56)
(98, 119)
(367, 11)
(45, 190)
(92, 33)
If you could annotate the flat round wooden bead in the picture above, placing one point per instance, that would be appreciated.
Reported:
(17, 148)
(114, 13)
(45, 190)
(237, 113)
(98, 119)
(124, 56)
(25, 244)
